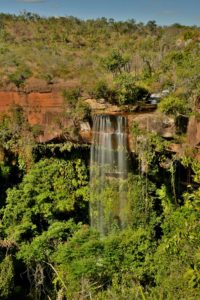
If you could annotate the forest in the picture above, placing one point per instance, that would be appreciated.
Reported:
(48, 248)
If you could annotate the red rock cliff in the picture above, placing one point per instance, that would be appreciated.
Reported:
(41, 108)
(46, 108)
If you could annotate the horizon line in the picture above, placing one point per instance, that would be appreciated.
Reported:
(114, 20)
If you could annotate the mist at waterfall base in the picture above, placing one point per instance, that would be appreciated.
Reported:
(108, 173)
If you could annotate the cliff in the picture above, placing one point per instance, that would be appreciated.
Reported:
(44, 106)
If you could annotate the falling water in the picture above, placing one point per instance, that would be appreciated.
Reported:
(108, 173)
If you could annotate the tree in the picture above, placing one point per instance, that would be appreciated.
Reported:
(176, 260)
(173, 105)
(116, 63)
(92, 266)
(20, 76)
(152, 26)
(6, 277)
(42, 212)
(127, 92)
(51, 187)
(76, 110)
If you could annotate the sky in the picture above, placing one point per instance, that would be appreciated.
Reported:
(164, 12)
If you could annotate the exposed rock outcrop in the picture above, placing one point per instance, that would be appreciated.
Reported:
(46, 108)
(41, 108)
(193, 132)
(153, 122)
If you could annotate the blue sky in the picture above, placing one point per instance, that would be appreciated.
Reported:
(163, 11)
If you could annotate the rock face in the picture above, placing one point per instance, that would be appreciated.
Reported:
(147, 122)
(102, 106)
(153, 122)
(44, 109)
(193, 132)
(85, 132)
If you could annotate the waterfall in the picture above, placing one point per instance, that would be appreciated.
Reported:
(108, 173)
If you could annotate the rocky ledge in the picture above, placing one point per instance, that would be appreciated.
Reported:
(46, 108)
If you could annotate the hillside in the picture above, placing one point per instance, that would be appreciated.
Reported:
(122, 62)
(69, 49)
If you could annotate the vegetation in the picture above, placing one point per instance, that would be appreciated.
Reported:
(76, 111)
(116, 63)
(84, 52)
(126, 90)
(47, 248)
(174, 106)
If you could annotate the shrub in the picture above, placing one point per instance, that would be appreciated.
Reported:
(101, 90)
(173, 105)
(72, 95)
(6, 277)
(78, 110)
(126, 90)
(19, 77)
(116, 62)
(82, 110)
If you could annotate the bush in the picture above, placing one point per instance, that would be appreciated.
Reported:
(6, 277)
(126, 90)
(19, 77)
(82, 111)
(116, 62)
(96, 264)
(72, 95)
(102, 90)
(173, 105)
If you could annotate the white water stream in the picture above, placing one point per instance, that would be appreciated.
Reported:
(108, 172)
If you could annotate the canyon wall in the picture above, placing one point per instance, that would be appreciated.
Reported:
(41, 108)
(46, 108)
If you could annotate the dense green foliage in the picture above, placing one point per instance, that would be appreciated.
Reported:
(174, 106)
(39, 214)
(127, 92)
(48, 250)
